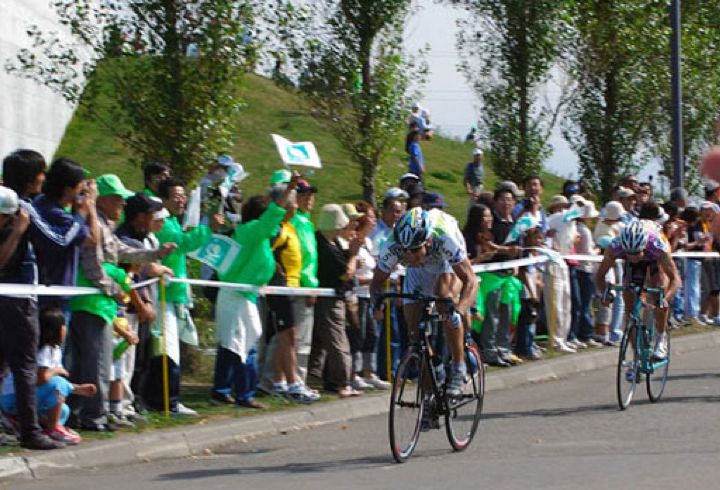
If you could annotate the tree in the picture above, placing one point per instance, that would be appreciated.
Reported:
(611, 59)
(163, 76)
(348, 60)
(507, 50)
(701, 99)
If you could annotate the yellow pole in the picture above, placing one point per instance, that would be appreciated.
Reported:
(388, 335)
(166, 382)
(551, 315)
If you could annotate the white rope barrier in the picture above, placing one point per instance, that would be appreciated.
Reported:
(22, 290)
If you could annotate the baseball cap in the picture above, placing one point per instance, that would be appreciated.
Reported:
(351, 211)
(304, 186)
(434, 200)
(111, 185)
(512, 187)
(409, 176)
(332, 218)
(710, 205)
(396, 193)
(141, 203)
(558, 199)
(282, 176)
(8, 200)
(226, 160)
(477, 151)
(625, 192)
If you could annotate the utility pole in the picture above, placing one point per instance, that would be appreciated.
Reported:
(675, 68)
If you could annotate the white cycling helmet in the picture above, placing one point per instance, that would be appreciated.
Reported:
(413, 228)
(633, 237)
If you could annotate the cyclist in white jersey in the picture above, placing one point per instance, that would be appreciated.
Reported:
(433, 256)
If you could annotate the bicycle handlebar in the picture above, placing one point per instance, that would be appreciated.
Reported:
(640, 289)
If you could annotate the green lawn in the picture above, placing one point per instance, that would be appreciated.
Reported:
(272, 109)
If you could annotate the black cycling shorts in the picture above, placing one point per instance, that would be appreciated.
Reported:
(281, 312)
(636, 272)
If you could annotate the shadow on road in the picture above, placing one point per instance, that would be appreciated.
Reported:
(292, 468)
(592, 409)
(694, 376)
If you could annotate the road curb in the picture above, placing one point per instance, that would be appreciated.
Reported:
(201, 439)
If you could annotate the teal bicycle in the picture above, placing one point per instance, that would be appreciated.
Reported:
(636, 352)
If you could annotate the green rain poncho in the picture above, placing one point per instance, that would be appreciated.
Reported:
(490, 282)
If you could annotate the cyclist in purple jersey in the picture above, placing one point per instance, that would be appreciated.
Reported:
(647, 262)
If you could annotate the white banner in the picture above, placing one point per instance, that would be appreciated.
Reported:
(303, 154)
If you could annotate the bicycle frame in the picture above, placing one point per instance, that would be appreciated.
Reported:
(644, 332)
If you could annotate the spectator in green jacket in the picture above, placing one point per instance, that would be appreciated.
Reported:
(305, 307)
(237, 318)
(179, 325)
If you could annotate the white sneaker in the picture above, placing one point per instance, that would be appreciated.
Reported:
(577, 344)
(300, 393)
(563, 347)
(704, 319)
(360, 384)
(183, 410)
(377, 383)
(660, 351)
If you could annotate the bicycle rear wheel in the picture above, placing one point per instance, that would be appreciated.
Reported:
(463, 412)
(627, 367)
(658, 378)
(406, 406)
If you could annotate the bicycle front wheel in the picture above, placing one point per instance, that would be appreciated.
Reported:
(406, 406)
(463, 412)
(657, 379)
(627, 367)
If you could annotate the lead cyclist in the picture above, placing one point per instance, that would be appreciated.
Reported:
(433, 257)
(647, 262)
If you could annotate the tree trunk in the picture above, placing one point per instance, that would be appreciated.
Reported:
(369, 174)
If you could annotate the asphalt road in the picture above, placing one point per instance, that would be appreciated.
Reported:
(565, 434)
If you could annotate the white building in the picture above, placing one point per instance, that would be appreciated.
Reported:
(31, 116)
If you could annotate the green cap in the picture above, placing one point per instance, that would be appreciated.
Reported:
(111, 185)
(281, 177)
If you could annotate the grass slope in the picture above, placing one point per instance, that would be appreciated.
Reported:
(271, 109)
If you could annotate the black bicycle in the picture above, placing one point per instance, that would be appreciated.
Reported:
(419, 399)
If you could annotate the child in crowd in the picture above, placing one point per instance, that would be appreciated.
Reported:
(530, 298)
(52, 386)
(123, 338)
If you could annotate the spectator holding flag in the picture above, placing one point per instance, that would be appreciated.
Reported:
(236, 312)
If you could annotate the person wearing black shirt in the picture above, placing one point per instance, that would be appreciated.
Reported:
(495, 335)
(330, 352)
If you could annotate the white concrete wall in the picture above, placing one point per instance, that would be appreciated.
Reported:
(31, 116)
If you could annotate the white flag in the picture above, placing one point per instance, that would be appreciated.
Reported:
(303, 154)
(219, 253)
(192, 209)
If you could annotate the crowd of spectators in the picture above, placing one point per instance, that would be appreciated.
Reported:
(97, 361)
